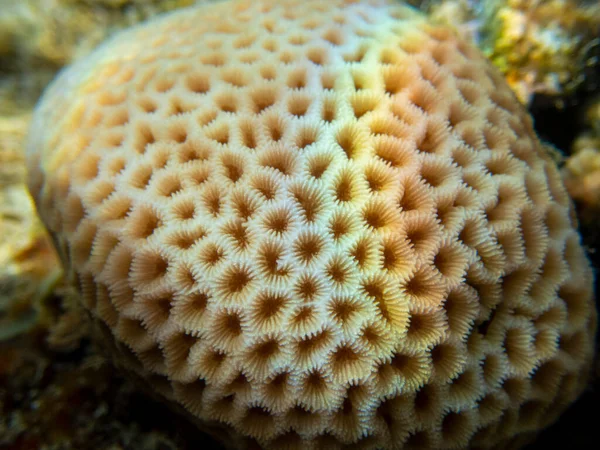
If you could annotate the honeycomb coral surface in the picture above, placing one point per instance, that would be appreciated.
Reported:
(317, 225)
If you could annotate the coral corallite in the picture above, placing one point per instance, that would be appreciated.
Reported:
(317, 224)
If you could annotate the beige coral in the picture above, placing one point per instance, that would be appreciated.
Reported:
(582, 172)
(317, 224)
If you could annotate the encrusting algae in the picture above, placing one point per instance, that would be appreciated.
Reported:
(317, 225)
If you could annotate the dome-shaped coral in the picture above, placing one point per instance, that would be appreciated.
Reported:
(318, 224)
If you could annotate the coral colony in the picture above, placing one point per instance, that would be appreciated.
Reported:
(317, 224)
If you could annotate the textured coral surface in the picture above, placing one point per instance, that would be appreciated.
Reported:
(317, 224)
(583, 174)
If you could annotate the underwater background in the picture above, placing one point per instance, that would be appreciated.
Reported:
(57, 391)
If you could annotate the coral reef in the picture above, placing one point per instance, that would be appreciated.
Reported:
(315, 225)
(542, 47)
